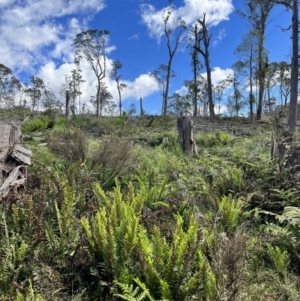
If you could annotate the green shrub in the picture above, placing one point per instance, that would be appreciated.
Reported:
(212, 140)
(37, 124)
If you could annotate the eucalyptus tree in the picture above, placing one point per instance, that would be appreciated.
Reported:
(246, 66)
(9, 86)
(237, 96)
(257, 15)
(218, 91)
(161, 75)
(91, 46)
(49, 100)
(35, 91)
(180, 104)
(271, 83)
(116, 76)
(196, 66)
(175, 32)
(107, 105)
(283, 79)
(73, 80)
(203, 46)
(203, 95)
(292, 5)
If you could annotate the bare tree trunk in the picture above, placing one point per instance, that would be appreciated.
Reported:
(186, 137)
(141, 106)
(67, 103)
(212, 115)
(294, 71)
(165, 102)
(261, 78)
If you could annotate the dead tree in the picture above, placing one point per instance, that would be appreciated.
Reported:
(67, 103)
(186, 137)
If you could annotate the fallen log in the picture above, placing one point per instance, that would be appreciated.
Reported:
(13, 158)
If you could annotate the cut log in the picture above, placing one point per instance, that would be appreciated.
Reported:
(13, 156)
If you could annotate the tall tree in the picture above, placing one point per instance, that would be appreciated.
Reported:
(116, 76)
(35, 91)
(50, 101)
(247, 65)
(257, 15)
(106, 105)
(237, 97)
(204, 38)
(9, 85)
(284, 81)
(91, 45)
(161, 75)
(174, 31)
(219, 89)
(196, 66)
(292, 5)
(72, 84)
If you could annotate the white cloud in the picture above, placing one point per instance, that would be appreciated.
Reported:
(219, 74)
(182, 91)
(221, 35)
(29, 28)
(134, 37)
(142, 86)
(216, 12)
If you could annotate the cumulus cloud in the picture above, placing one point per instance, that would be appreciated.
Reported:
(31, 26)
(219, 74)
(143, 86)
(216, 12)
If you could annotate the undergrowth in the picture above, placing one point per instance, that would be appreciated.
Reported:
(124, 216)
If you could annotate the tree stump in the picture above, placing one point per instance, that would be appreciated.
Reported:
(186, 137)
(13, 158)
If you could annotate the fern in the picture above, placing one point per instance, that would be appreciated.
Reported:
(229, 211)
(279, 258)
(129, 293)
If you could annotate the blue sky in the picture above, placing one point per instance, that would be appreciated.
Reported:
(36, 38)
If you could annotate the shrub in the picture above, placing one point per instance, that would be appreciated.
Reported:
(71, 144)
(112, 159)
(212, 140)
(37, 124)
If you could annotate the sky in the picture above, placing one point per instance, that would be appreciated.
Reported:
(37, 35)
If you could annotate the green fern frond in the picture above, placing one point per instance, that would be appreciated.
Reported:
(129, 293)
(208, 279)
(229, 210)
(278, 257)
(291, 215)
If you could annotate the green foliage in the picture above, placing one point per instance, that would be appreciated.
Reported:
(37, 124)
(212, 140)
(230, 181)
(229, 213)
(279, 259)
(112, 233)
(219, 226)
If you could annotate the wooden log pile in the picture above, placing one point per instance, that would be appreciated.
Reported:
(13, 160)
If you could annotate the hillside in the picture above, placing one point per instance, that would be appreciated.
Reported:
(112, 210)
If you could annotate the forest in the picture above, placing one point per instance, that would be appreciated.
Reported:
(114, 207)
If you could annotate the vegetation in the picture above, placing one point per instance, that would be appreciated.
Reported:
(126, 216)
